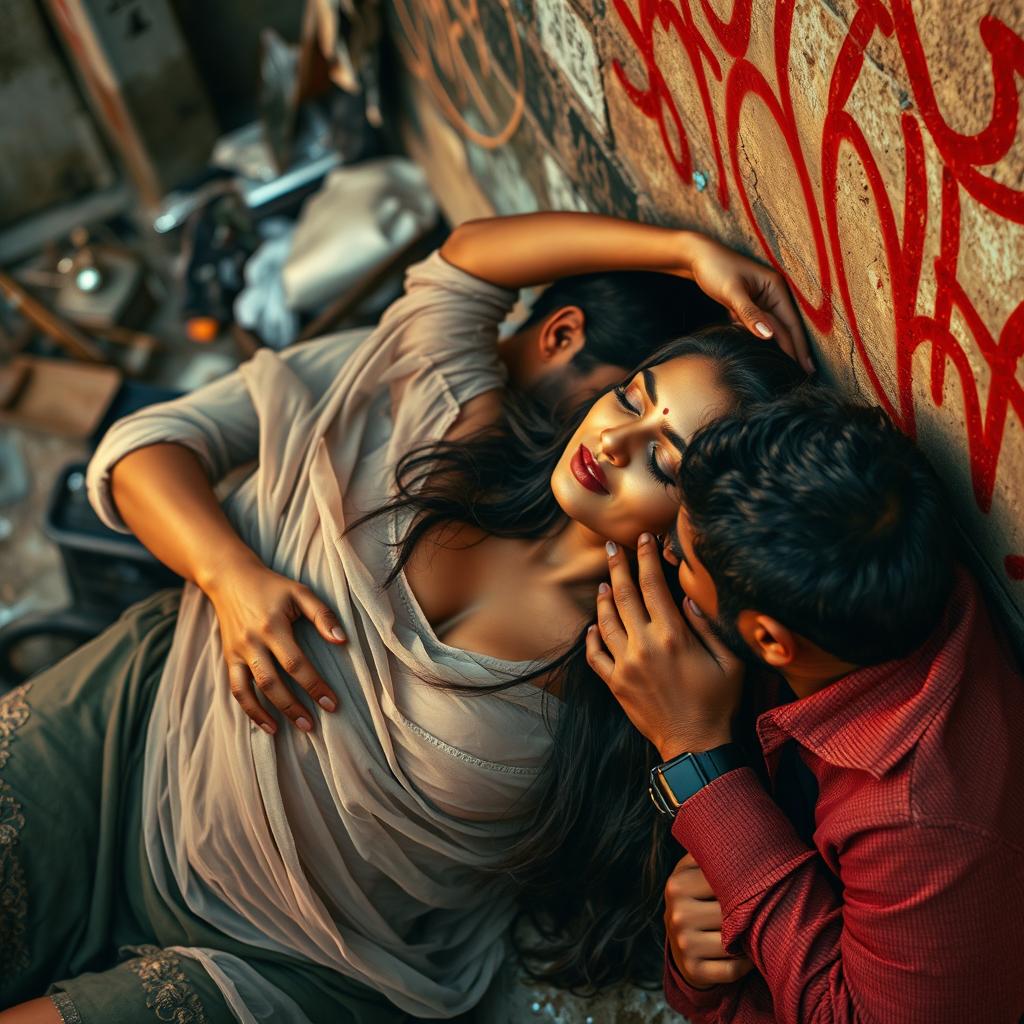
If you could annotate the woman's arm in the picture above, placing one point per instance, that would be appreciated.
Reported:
(535, 248)
(165, 498)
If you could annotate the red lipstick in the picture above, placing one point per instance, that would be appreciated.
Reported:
(586, 470)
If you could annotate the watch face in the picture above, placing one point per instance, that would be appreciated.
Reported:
(682, 779)
(687, 774)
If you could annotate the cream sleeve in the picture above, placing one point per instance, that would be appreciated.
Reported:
(217, 422)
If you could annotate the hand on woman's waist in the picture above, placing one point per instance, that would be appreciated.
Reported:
(256, 609)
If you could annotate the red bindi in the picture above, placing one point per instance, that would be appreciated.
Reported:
(664, 412)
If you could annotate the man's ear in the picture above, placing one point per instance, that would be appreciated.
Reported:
(562, 335)
(772, 642)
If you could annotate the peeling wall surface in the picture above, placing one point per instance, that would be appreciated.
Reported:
(873, 150)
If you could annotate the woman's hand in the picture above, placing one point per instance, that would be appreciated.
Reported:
(678, 684)
(693, 925)
(256, 609)
(755, 295)
(163, 494)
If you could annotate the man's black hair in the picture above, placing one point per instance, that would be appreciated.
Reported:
(821, 514)
(628, 313)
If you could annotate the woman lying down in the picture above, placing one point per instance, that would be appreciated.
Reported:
(316, 784)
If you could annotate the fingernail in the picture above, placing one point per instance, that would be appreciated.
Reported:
(809, 365)
(338, 635)
(603, 589)
(268, 729)
(645, 538)
(590, 629)
(611, 547)
(693, 608)
(304, 724)
(763, 329)
(326, 703)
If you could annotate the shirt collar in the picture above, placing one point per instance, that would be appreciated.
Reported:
(871, 718)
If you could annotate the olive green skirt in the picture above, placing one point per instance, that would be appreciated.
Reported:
(80, 915)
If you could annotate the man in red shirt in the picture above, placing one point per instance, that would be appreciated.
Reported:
(814, 539)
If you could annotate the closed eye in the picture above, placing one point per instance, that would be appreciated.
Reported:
(654, 467)
(657, 472)
(620, 394)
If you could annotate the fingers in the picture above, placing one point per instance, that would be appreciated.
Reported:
(597, 656)
(243, 691)
(257, 624)
(687, 880)
(693, 925)
(775, 317)
(705, 973)
(702, 915)
(781, 305)
(268, 682)
(294, 662)
(290, 657)
(699, 952)
(689, 884)
(657, 597)
(609, 625)
(756, 320)
(765, 325)
(627, 598)
(707, 916)
(705, 945)
(320, 615)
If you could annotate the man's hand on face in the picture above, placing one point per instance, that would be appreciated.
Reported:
(679, 685)
(693, 924)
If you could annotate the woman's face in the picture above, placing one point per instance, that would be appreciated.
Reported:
(617, 475)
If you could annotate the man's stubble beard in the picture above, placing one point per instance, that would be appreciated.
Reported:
(728, 634)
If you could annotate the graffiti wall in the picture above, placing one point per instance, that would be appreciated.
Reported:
(873, 150)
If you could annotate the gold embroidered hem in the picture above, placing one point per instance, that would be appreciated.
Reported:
(14, 712)
(168, 992)
(66, 1008)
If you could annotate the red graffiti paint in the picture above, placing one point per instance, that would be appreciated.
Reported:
(746, 80)
(917, 327)
(657, 100)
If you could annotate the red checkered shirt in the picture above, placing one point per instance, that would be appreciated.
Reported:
(910, 905)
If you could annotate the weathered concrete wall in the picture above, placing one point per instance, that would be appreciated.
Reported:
(872, 149)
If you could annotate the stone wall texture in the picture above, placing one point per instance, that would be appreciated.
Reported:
(873, 150)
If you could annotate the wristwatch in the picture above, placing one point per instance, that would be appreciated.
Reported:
(675, 781)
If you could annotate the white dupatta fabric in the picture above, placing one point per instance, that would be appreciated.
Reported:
(363, 846)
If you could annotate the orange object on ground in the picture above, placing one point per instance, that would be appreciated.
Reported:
(202, 328)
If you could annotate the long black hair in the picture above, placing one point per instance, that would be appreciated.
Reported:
(592, 861)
